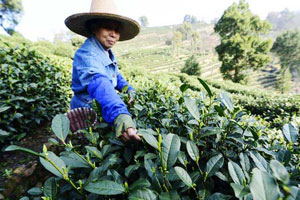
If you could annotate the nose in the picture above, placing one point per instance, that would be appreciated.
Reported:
(113, 33)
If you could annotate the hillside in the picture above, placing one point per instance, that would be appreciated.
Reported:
(150, 51)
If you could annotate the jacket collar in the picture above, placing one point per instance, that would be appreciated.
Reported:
(107, 56)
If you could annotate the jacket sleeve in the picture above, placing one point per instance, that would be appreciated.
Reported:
(103, 91)
(121, 82)
(87, 67)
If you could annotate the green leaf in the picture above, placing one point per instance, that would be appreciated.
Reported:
(295, 192)
(290, 132)
(61, 126)
(130, 169)
(50, 188)
(236, 173)
(245, 163)
(24, 198)
(221, 176)
(17, 148)
(125, 88)
(263, 186)
(279, 171)
(35, 191)
(182, 157)
(172, 195)
(214, 164)
(57, 161)
(149, 138)
(211, 131)
(170, 149)
(226, 100)
(192, 107)
(219, 196)
(184, 87)
(239, 190)
(4, 133)
(94, 151)
(192, 150)
(144, 194)
(53, 141)
(105, 187)
(284, 156)
(2, 109)
(184, 176)
(73, 160)
(259, 161)
(141, 183)
(203, 83)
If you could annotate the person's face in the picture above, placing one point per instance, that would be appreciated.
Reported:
(108, 34)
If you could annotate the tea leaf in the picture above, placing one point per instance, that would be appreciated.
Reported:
(141, 183)
(57, 161)
(105, 187)
(172, 195)
(214, 164)
(290, 132)
(192, 150)
(236, 173)
(17, 148)
(149, 138)
(50, 188)
(203, 83)
(226, 100)
(239, 190)
(279, 171)
(170, 148)
(61, 126)
(263, 186)
(259, 161)
(35, 191)
(144, 194)
(192, 107)
(184, 176)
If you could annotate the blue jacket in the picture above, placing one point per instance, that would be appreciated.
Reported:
(96, 76)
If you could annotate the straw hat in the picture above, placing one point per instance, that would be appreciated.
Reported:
(102, 9)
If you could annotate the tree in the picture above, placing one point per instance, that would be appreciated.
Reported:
(190, 19)
(191, 66)
(185, 30)
(177, 41)
(194, 40)
(10, 14)
(287, 47)
(144, 21)
(241, 46)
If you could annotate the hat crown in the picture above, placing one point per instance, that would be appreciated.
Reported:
(103, 6)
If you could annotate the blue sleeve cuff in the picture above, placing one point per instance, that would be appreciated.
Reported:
(121, 82)
(103, 91)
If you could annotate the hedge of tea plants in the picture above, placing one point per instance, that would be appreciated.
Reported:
(192, 148)
(33, 89)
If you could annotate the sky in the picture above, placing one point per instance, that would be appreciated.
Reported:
(43, 18)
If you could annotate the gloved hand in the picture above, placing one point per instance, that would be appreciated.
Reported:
(131, 96)
(125, 128)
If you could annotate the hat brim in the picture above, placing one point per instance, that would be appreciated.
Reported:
(77, 23)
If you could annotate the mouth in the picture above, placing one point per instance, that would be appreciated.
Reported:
(111, 42)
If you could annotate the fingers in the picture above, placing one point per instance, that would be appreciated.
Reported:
(130, 100)
(131, 134)
(125, 137)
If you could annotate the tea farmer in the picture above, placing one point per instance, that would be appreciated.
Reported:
(95, 68)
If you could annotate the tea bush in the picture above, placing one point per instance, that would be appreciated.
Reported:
(32, 90)
(203, 148)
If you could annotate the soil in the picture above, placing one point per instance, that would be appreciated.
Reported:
(21, 171)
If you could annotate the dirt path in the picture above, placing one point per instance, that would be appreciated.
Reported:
(20, 171)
